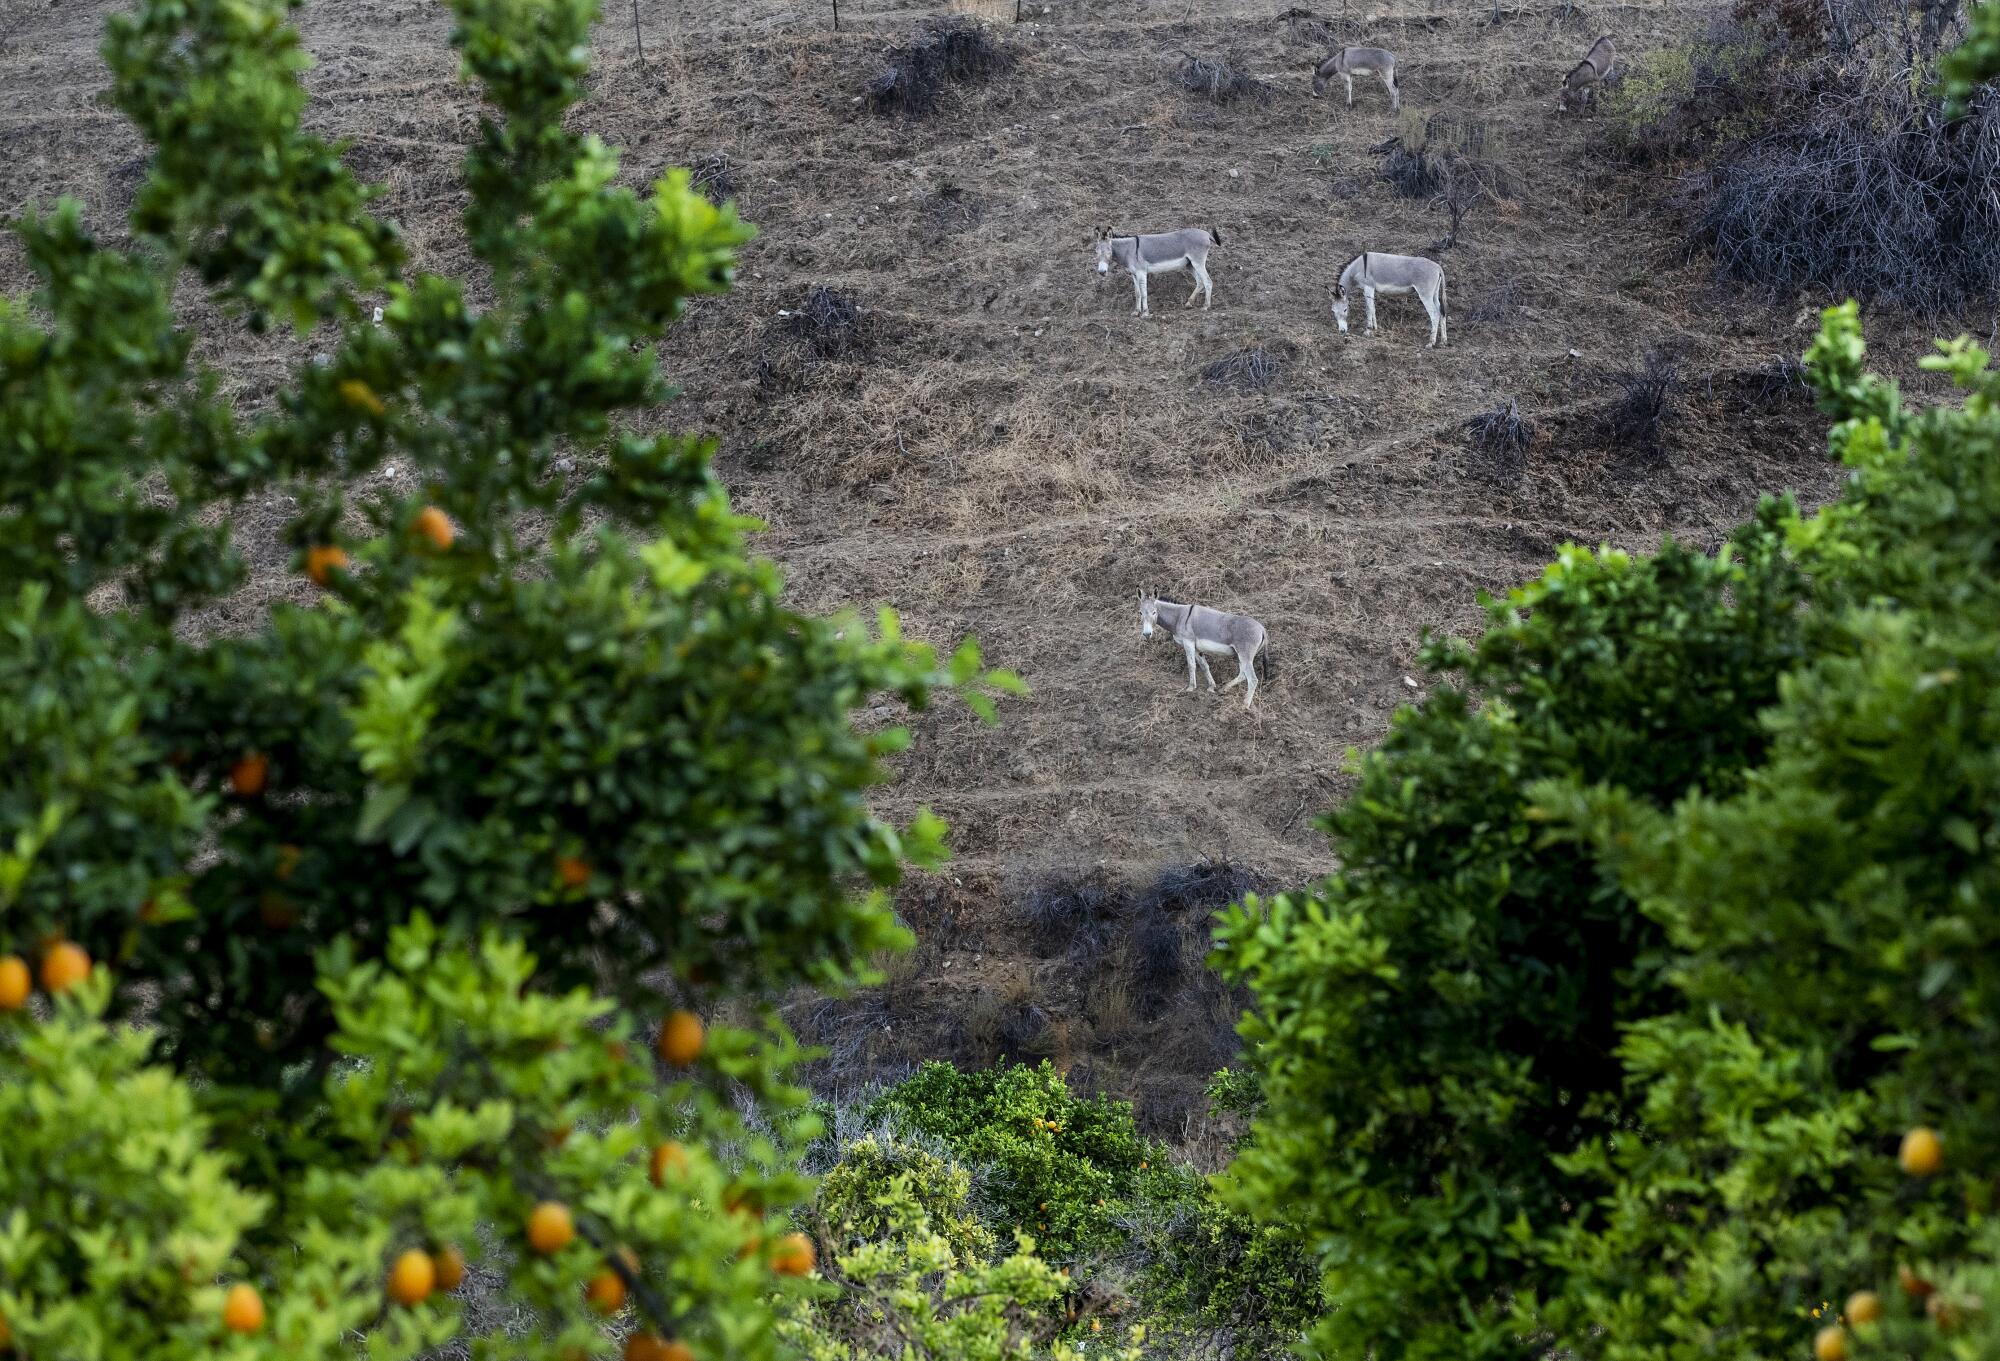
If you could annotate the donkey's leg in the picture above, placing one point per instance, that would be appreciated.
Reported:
(1431, 310)
(1395, 95)
(1189, 648)
(1203, 658)
(1202, 284)
(1368, 296)
(1138, 293)
(1247, 673)
(1350, 90)
(1194, 268)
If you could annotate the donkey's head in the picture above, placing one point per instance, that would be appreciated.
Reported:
(1104, 251)
(1149, 613)
(1320, 80)
(1339, 307)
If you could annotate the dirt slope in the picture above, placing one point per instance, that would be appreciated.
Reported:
(1011, 453)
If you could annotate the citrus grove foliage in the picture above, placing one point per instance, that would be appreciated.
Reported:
(1448, 1006)
(418, 892)
(1060, 1163)
(1651, 1016)
(912, 1274)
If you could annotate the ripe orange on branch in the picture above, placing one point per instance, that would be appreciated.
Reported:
(243, 1309)
(550, 1227)
(248, 775)
(1830, 1344)
(606, 1292)
(1922, 1154)
(681, 1038)
(15, 983)
(573, 873)
(64, 966)
(433, 524)
(450, 1268)
(322, 560)
(794, 1256)
(1864, 1306)
(413, 1278)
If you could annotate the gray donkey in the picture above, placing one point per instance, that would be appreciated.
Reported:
(1372, 272)
(1350, 62)
(1156, 254)
(1583, 79)
(1201, 633)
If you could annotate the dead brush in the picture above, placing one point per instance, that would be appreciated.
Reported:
(1635, 421)
(955, 51)
(1502, 437)
(713, 176)
(830, 324)
(1448, 165)
(1221, 81)
(1249, 370)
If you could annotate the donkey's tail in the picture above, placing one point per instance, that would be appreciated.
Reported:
(1265, 666)
(1215, 236)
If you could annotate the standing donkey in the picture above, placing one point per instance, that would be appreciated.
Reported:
(1372, 272)
(1584, 78)
(1201, 633)
(1350, 62)
(1157, 253)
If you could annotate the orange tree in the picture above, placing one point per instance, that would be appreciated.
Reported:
(527, 717)
(1652, 1013)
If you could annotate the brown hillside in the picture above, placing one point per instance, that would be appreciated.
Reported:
(1005, 450)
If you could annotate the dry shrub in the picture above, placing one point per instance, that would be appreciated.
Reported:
(1448, 164)
(1204, 886)
(1072, 913)
(955, 51)
(1877, 197)
(1249, 370)
(1636, 419)
(713, 176)
(1221, 81)
(1502, 438)
(1303, 28)
(830, 324)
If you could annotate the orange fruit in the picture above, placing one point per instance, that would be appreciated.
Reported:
(322, 560)
(1830, 1344)
(573, 873)
(558, 1136)
(1922, 1154)
(681, 1038)
(288, 861)
(15, 984)
(550, 1228)
(433, 524)
(606, 1292)
(1942, 1312)
(794, 1255)
(668, 1157)
(1913, 1285)
(1864, 1306)
(247, 776)
(450, 1268)
(64, 966)
(674, 1350)
(413, 1278)
(644, 1347)
(242, 1309)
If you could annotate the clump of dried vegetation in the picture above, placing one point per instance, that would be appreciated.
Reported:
(1221, 80)
(829, 323)
(1825, 165)
(951, 52)
(1636, 420)
(1249, 370)
(1446, 162)
(713, 176)
(1502, 438)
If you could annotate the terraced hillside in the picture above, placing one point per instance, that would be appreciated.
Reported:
(997, 446)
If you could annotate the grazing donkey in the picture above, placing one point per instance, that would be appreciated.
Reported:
(1350, 62)
(1200, 630)
(1158, 253)
(1583, 79)
(1372, 272)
